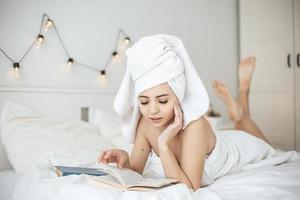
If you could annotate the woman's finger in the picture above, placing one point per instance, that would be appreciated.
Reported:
(175, 110)
(112, 159)
(100, 157)
(121, 162)
(179, 116)
(178, 111)
(106, 156)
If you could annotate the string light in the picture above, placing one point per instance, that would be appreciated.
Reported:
(16, 67)
(16, 70)
(49, 23)
(46, 24)
(39, 40)
(102, 77)
(116, 56)
(127, 40)
(70, 62)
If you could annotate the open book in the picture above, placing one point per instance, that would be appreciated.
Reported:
(127, 179)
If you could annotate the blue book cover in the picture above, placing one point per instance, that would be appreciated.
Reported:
(65, 171)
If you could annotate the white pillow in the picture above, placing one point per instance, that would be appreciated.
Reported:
(27, 136)
(109, 124)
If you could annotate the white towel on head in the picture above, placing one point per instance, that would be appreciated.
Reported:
(178, 86)
(154, 60)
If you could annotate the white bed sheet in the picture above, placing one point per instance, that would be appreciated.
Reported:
(8, 180)
(271, 182)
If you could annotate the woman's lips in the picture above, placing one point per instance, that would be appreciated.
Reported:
(156, 120)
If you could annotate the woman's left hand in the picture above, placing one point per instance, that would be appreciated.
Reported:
(173, 129)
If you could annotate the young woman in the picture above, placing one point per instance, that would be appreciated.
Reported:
(163, 101)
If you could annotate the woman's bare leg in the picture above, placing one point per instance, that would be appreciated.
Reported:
(236, 112)
(246, 69)
(248, 125)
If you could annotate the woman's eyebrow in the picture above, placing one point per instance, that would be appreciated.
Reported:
(143, 96)
(161, 95)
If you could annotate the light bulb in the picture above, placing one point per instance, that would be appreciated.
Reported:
(49, 23)
(102, 77)
(16, 67)
(16, 70)
(70, 62)
(127, 40)
(39, 40)
(116, 57)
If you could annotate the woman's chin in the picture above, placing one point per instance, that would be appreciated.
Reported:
(157, 125)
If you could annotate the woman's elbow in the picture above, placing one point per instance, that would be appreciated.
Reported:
(196, 187)
(193, 186)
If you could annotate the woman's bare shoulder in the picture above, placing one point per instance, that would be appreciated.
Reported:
(199, 130)
(200, 124)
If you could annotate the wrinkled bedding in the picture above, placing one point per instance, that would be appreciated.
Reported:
(268, 182)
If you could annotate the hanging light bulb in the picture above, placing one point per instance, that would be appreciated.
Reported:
(39, 40)
(102, 77)
(49, 23)
(16, 67)
(127, 40)
(70, 62)
(116, 56)
(16, 70)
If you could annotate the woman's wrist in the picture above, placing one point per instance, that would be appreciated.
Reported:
(163, 146)
(163, 140)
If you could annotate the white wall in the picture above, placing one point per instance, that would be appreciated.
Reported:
(89, 28)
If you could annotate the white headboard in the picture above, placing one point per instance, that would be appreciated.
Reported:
(68, 104)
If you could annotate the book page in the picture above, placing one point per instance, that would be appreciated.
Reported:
(153, 182)
(125, 176)
(108, 179)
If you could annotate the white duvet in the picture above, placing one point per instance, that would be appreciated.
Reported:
(40, 182)
(28, 136)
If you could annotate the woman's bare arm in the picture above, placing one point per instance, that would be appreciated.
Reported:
(194, 149)
(141, 148)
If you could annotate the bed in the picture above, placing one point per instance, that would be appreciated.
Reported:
(56, 135)
(8, 180)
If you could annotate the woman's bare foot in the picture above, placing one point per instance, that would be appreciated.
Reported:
(246, 70)
(235, 110)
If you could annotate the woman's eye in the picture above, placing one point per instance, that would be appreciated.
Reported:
(143, 103)
(163, 101)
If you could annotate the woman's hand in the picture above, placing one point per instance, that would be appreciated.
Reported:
(118, 156)
(173, 129)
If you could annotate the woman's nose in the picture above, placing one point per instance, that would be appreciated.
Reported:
(153, 108)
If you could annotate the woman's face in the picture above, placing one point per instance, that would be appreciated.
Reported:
(157, 104)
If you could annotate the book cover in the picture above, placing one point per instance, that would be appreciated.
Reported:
(66, 170)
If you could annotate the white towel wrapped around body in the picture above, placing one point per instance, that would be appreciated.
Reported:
(234, 151)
